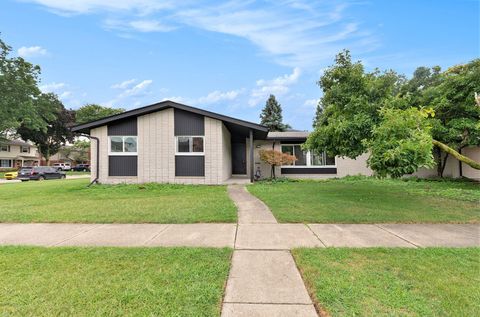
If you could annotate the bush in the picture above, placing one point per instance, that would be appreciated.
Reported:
(8, 169)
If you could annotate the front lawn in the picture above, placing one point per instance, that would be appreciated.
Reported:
(72, 201)
(393, 282)
(369, 200)
(112, 281)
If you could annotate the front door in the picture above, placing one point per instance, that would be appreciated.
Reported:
(239, 158)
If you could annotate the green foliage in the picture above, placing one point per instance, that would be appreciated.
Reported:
(57, 133)
(401, 143)
(457, 116)
(271, 115)
(318, 115)
(77, 152)
(92, 112)
(351, 102)
(378, 112)
(20, 102)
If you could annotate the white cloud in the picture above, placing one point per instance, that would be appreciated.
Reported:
(130, 92)
(278, 86)
(311, 102)
(216, 96)
(31, 51)
(295, 33)
(137, 25)
(211, 98)
(124, 84)
(52, 87)
(150, 26)
(92, 6)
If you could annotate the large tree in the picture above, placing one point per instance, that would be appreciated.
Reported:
(382, 113)
(20, 102)
(271, 115)
(92, 112)
(58, 131)
(78, 152)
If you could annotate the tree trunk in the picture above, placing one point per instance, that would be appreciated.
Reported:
(443, 165)
(458, 156)
(273, 172)
(438, 158)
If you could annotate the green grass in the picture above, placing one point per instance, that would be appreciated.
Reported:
(112, 281)
(369, 200)
(393, 282)
(72, 201)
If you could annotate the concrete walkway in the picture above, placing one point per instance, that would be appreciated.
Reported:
(263, 281)
(246, 237)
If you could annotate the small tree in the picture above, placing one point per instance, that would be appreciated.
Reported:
(276, 158)
(58, 130)
(271, 115)
(92, 112)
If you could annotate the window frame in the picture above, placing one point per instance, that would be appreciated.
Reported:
(10, 163)
(24, 147)
(5, 146)
(308, 156)
(123, 153)
(191, 145)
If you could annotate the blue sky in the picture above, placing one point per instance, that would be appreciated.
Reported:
(228, 56)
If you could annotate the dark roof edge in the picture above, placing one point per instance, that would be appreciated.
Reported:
(164, 105)
(286, 139)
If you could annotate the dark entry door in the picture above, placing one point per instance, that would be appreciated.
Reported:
(239, 158)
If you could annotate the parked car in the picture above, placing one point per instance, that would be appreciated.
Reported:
(11, 175)
(62, 166)
(39, 173)
(81, 168)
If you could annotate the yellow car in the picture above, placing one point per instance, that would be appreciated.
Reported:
(11, 175)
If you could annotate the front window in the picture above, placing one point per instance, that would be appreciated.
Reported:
(4, 148)
(187, 145)
(308, 158)
(5, 163)
(25, 149)
(123, 145)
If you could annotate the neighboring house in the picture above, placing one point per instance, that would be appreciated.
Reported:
(17, 153)
(168, 142)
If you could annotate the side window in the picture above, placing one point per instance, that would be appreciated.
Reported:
(188, 145)
(123, 145)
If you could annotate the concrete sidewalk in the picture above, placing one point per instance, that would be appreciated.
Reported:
(248, 236)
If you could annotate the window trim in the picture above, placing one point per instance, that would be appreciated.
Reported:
(308, 159)
(24, 147)
(123, 153)
(6, 146)
(189, 153)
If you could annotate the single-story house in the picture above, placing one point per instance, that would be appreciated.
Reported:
(17, 153)
(169, 142)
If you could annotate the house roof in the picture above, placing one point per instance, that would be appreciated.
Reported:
(288, 136)
(237, 125)
(15, 142)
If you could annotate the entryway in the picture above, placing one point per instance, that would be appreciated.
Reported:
(239, 158)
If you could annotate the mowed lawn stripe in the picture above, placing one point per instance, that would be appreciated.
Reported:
(112, 281)
(368, 200)
(72, 201)
(393, 282)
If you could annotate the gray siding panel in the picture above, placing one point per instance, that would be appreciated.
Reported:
(125, 127)
(309, 170)
(189, 123)
(122, 165)
(189, 165)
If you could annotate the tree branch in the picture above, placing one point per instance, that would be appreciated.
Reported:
(458, 156)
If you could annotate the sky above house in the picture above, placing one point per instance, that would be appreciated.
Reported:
(228, 56)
